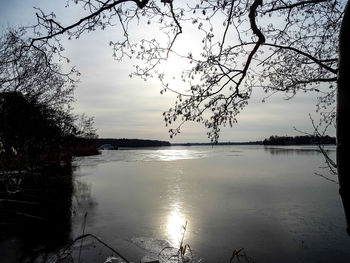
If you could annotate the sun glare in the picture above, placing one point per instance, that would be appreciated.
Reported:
(175, 224)
(172, 68)
(173, 155)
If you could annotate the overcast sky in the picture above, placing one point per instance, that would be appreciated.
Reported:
(125, 107)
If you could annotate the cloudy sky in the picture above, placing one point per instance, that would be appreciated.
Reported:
(125, 107)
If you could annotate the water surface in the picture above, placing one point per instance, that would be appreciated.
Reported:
(267, 200)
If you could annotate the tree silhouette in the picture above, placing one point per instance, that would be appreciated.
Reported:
(279, 46)
(33, 72)
(35, 83)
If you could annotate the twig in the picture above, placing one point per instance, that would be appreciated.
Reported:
(100, 241)
(81, 244)
(328, 179)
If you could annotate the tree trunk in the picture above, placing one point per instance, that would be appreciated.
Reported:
(343, 114)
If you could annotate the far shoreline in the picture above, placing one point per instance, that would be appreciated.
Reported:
(272, 141)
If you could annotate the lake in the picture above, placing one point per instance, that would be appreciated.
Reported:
(270, 201)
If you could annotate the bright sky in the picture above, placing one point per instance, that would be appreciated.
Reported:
(126, 107)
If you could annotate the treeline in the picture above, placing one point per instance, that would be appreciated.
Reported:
(299, 140)
(218, 143)
(33, 135)
(39, 134)
(117, 143)
(37, 123)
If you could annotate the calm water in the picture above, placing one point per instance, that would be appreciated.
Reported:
(268, 201)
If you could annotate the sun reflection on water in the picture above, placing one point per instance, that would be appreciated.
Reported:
(176, 154)
(172, 155)
(175, 224)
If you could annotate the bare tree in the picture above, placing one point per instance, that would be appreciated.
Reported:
(36, 73)
(85, 127)
(279, 46)
(33, 71)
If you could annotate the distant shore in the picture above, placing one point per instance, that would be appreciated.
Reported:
(118, 143)
(219, 143)
(273, 140)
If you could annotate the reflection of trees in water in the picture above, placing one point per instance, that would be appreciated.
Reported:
(83, 246)
(37, 217)
(82, 199)
(51, 198)
(295, 151)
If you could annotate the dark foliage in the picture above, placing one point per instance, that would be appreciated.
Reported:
(35, 135)
(299, 140)
(37, 210)
(116, 143)
(28, 131)
(78, 146)
(37, 144)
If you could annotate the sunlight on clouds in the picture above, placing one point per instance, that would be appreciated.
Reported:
(172, 69)
(130, 107)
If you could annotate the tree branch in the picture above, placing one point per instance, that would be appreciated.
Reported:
(318, 62)
(291, 6)
(140, 4)
(256, 31)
